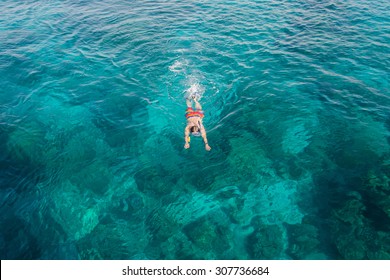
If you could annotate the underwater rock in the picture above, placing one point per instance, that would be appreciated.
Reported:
(61, 251)
(130, 208)
(186, 250)
(354, 157)
(122, 184)
(2, 245)
(296, 138)
(180, 247)
(80, 147)
(295, 169)
(77, 216)
(383, 247)
(89, 220)
(361, 145)
(361, 243)
(211, 239)
(372, 136)
(377, 186)
(75, 155)
(248, 161)
(296, 132)
(108, 242)
(351, 212)
(266, 242)
(218, 216)
(208, 236)
(95, 177)
(180, 212)
(202, 180)
(303, 241)
(160, 226)
(154, 181)
(135, 202)
(177, 246)
(351, 248)
(160, 150)
(139, 256)
(120, 118)
(275, 203)
(62, 119)
(242, 213)
(160, 163)
(353, 233)
(120, 137)
(27, 143)
(188, 208)
(18, 241)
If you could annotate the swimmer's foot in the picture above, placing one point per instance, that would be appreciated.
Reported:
(193, 96)
(196, 97)
(190, 96)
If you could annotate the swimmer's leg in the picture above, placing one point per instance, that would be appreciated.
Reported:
(197, 105)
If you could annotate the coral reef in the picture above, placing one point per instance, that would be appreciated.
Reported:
(266, 242)
(378, 188)
(354, 234)
(110, 241)
(304, 242)
(160, 225)
(247, 162)
(208, 237)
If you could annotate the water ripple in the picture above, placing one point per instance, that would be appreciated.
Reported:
(92, 115)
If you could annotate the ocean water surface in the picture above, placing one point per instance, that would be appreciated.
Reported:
(296, 95)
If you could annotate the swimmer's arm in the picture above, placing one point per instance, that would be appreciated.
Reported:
(204, 136)
(187, 137)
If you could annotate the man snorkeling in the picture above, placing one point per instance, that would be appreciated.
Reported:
(194, 123)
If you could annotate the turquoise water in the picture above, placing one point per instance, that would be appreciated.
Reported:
(296, 99)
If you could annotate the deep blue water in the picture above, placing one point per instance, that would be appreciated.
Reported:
(296, 97)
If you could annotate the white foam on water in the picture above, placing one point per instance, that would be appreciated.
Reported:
(196, 90)
(179, 66)
(194, 87)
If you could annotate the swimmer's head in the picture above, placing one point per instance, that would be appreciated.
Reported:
(195, 130)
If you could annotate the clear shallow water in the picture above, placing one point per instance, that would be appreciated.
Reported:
(296, 100)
